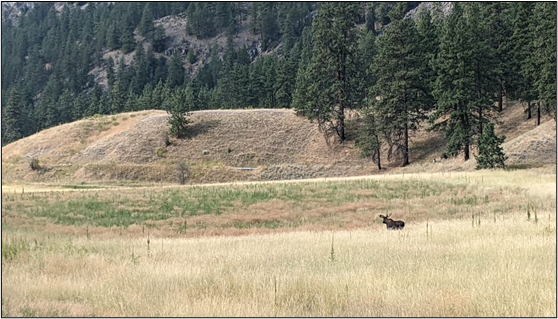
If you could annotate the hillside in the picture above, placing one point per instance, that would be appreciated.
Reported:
(235, 145)
(131, 146)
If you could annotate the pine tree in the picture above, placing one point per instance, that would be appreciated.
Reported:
(158, 40)
(523, 69)
(491, 154)
(113, 40)
(146, 27)
(544, 43)
(127, 40)
(110, 72)
(11, 119)
(66, 104)
(429, 44)
(117, 98)
(404, 95)
(370, 136)
(483, 64)
(176, 71)
(464, 88)
(269, 26)
(178, 106)
(498, 33)
(286, 79)
(332, 68)
(191, 57)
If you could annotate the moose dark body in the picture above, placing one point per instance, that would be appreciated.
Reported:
(392, 224)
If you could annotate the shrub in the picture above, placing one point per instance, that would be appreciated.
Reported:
(183, 172)
(34, 164)
(491, 154)
(161, 152)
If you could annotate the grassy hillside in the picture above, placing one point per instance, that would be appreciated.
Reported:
(275, 143)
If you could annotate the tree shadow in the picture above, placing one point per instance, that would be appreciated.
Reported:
(200, 128)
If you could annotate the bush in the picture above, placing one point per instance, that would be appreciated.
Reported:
(183, 172)
(491, 154)
(34, 164)
(161, 152)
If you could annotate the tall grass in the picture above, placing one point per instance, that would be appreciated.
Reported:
(97, 253)
(505, 268)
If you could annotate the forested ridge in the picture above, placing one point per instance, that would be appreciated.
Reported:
(450, 72)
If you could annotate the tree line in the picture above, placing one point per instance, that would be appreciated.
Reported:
(321, 59)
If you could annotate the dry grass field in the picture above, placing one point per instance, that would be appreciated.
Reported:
(475, 244)
(278, 145)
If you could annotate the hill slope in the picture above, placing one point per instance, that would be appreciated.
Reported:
(234, 145)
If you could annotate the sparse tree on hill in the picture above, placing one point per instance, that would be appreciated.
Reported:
(179, 106)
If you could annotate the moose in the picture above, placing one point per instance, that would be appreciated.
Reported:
(392, 224)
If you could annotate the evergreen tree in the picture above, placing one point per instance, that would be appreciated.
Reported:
(191, 57)
(146, 26)
(370, 136)
(11, 118)
(428, 33)
(176, 71)
(117, 98)
(491, 154)
(484, 65)
(286, 79)
(159, 39)
(110, 72)
(404, 95)
(178, 106)
(464, 88)
(544, 43)
(66, 104)
(331, 68)
(127, 40)
(498, 33)
(269, 26)
(523, 69)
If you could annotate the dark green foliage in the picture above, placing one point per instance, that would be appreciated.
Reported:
(544, 57)
(401, 95)
(11, 118)
(201, 17)
(176, 71)
(180, 103)
(466, 82)
(55, 59)
(491, 154)
(159, 39)
(192, 58)
(329, 85)
(370, 136)
(146, 23)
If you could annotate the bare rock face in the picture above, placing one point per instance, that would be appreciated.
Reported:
(443, 8)
(14, 9)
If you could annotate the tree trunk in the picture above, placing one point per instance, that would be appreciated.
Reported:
(529, 110)
(500, 100)
(406, 152)
(342, 123)
(379, 163)
(480, 121)
(538, 113)
(467, 151)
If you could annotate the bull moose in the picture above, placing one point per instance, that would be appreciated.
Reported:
(392, 224)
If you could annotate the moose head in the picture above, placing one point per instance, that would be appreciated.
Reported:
(392, 224)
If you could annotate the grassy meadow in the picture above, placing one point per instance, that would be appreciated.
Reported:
(475, 244)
